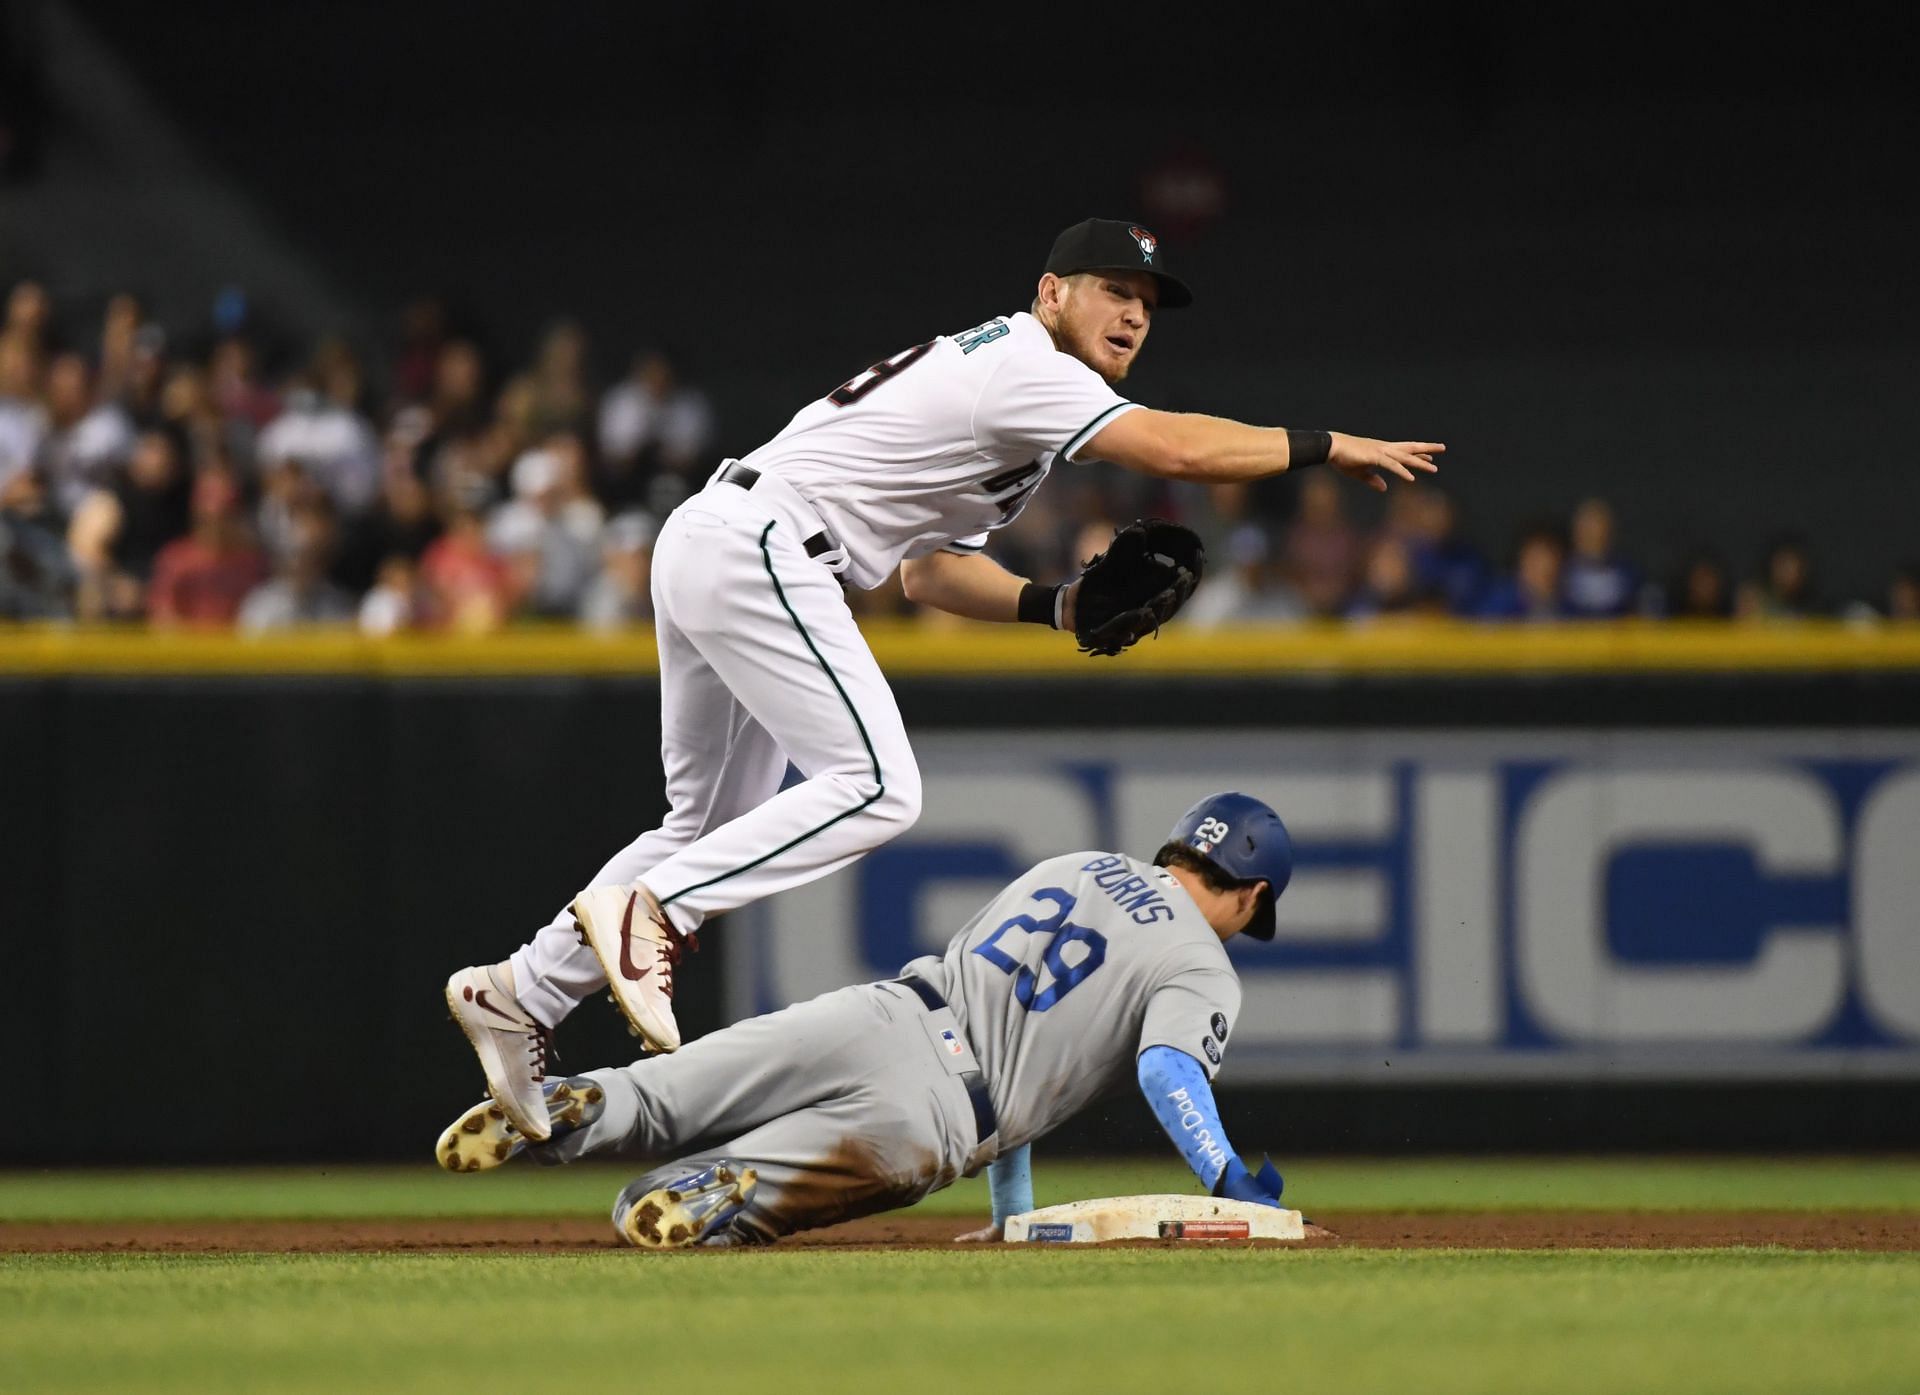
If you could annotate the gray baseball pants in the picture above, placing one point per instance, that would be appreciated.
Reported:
(847, 1105)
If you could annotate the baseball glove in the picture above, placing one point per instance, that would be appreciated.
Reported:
(1138, 584)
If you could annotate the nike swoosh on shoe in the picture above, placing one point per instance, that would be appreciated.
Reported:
(627, 966)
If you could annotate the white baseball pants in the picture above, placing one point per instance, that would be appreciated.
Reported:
(761, 663)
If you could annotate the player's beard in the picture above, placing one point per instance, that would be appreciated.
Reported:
(1090, 347)
(1080, 339)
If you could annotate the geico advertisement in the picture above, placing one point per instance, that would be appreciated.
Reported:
(1574, 905)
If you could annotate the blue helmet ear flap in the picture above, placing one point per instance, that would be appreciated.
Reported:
(1262, 926)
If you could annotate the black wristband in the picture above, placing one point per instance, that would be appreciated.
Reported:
(1038, 604)
(1308, 448)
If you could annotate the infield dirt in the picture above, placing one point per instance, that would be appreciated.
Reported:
(1490, 1230)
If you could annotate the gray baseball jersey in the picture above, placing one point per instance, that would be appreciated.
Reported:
(855, 1102)
(1063, 979)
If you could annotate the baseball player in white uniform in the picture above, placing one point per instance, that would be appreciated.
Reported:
(910, 464)
(1091, 969)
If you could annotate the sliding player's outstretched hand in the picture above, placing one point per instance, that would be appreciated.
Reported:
(1370, 462)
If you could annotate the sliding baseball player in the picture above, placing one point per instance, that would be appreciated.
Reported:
(909, 465)
(1091, 968)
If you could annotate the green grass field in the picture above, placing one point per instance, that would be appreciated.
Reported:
(1450, 1184)
(1750, 1320)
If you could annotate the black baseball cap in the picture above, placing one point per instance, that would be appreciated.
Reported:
(1113, 244)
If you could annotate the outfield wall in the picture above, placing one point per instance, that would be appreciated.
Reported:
(1565, 906)
(1589, 898)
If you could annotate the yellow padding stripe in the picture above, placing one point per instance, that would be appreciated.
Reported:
(913, 650)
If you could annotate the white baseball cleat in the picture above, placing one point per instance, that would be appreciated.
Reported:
(639, 950)
(689, 1210)
(511, 1044)
(484, 1137)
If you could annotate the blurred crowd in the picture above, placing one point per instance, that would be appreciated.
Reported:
(148, 479)
(198, 481)
(1318, 562)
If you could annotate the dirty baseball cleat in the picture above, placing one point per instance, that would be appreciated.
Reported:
(484, 1137)
(511, 1044)
(639, 949)
(688, 1211)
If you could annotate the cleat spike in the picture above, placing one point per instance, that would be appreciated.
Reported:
(487, 1135)
(693, 1210)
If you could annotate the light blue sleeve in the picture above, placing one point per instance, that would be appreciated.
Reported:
(1176, 1088)
(1010, 1179)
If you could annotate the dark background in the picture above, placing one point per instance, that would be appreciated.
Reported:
(1661, 253)
(232, 904)
(1664, 253)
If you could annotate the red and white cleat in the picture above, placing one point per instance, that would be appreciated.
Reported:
(511, 1044)
(639, 949)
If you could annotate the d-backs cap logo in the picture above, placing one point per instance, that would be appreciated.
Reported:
(1149, 244)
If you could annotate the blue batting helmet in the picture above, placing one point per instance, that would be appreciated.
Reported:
(1246, 840)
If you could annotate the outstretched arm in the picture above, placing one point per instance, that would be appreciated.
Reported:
(1215, 450)
(974, 586)
(1176, 1088)
(1010, 1183)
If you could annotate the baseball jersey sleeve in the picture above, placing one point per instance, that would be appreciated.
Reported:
(1045, 401)
(1193, 1012)
(967, 546)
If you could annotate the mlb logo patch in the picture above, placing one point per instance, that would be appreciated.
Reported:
(951, 1041)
